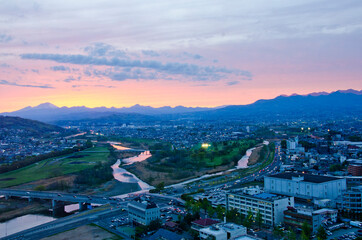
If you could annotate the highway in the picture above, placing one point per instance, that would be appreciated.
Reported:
(63, 224)
(63, 197)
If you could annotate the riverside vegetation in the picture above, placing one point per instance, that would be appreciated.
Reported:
(170, 165)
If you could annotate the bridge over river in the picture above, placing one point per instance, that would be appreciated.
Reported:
(59, 199)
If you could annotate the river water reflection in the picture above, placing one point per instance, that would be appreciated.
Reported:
(122, 174)
(21, 223)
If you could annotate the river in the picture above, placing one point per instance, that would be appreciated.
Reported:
(21, 223)
(121, 174)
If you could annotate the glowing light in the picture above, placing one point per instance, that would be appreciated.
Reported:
(205, 145)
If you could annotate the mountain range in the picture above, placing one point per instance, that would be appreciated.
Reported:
(320, 104)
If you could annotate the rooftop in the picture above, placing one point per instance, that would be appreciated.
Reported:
(165, 234)
(265, 196)
(143, 204)
(307, 177)
(205, 222)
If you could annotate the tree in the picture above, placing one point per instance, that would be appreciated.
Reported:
(188, 205)
(220, 211)
(321, 233)
(233, 216)
(283, 144)
(40, 188)
(88, 144)
(210, 211)
(154, 225)
(306, 231)
(291, 234)
(196, 208)
(249, 219)
(278, 232)
(204, 204)
(259, 219)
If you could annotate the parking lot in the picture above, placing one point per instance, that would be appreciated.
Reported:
(350, 233)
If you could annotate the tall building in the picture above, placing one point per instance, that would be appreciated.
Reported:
(270, 206)
(305, 186)
(143, 212)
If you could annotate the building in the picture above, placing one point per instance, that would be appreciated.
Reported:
(295, 218)
(224, 231)
(305, 186)
(355, 169)
(203, 223)
(143, 212)
(352, 200)
(248, 237)
(163, 234)
(270, 206)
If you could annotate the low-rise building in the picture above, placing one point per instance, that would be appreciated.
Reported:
(295, 218)
(203, 223)
(355, 169)
(352, 200)
(143, 212)
(224, 231)
(270, 206)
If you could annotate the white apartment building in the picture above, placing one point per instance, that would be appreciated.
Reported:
(270, 206)
(305, 186)
(143, 212)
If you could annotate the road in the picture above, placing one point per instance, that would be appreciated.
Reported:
(63, 197)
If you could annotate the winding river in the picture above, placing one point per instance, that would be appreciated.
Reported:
(121, 174)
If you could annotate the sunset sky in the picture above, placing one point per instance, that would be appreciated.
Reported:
(167, 53)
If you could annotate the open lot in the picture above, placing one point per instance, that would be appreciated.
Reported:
(53, 167)
(85, 233)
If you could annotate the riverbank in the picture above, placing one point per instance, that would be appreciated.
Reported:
(143, 172)
(13, 208)
(255, 156)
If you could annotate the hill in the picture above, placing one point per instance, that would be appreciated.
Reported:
(31, 126)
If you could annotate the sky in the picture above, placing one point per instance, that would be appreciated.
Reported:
(157, 53)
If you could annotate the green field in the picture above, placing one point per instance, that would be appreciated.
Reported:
(53, 167)
(220, 153)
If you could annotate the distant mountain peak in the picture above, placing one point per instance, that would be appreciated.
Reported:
(351, 91)
(316, 94)
(46, 105)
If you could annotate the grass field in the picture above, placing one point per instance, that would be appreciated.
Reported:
(215, 153)
(53, 167)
